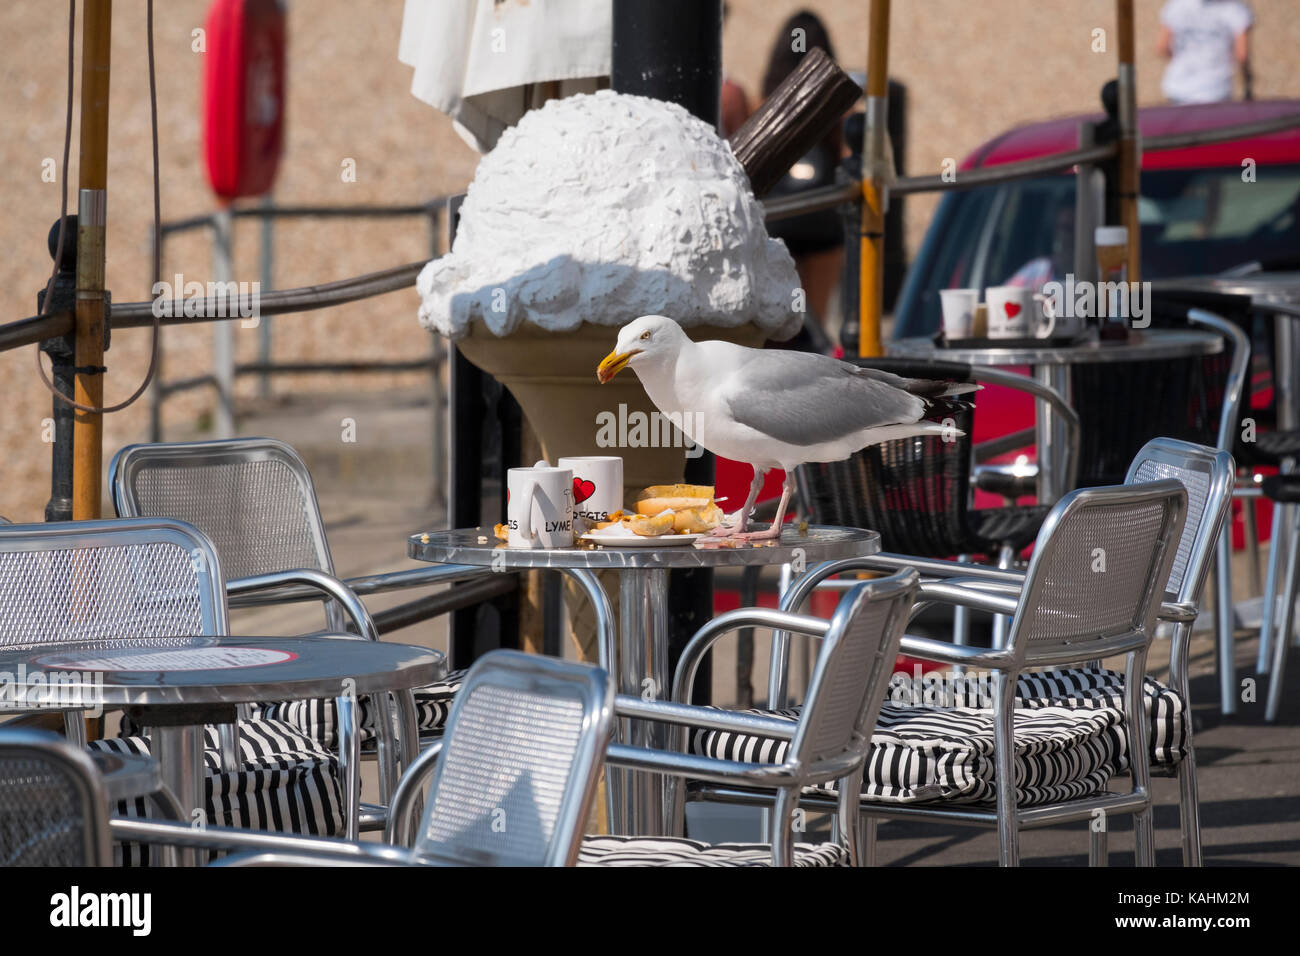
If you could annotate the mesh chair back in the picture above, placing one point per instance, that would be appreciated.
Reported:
(852, 673)
(524, 745)
(1207, 475)
(914, 491)
(1100, 566)
(1123, 405)
(253, 497)
(53, 811)
(119, 581)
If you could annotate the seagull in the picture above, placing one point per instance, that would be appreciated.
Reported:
(771, 408)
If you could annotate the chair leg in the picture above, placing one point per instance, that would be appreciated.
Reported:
(1189, 808)
(1002, 623)
(1250, 523)
(1286, 616)
(1135, 714)
(1004, 734)
(1276, 554)
(961, 617)
(1098, 846)
(350, 764)
(1224, 624)
(867, 840)
(787, 801)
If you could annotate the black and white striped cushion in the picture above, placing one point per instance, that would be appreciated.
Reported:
(921, 753)
(319, 718)
(285, 782)
(1094, 687)
(670, 851)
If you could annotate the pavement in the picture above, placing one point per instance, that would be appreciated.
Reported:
(377, 490)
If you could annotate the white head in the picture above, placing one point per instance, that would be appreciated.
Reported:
(649, 340)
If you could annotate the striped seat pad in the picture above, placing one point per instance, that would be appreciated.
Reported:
(285, 782)
(319, 718)
(671, 851)
(1095, 687)
(925, 754)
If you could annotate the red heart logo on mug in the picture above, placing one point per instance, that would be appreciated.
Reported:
(582, 490)
(1013, 309)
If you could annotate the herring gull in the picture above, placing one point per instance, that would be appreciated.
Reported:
(768, 407)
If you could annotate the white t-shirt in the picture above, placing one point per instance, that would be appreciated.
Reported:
(1203, 65)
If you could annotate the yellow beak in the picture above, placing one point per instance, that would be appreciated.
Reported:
(613, 363)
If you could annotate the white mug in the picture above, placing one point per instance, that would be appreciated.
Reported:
(959, 312)
(597, 486)
(1068, 324)
(1016, 312)
(539, 507)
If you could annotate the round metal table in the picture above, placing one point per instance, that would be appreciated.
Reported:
(175, 685)
(1051, 367)
(642, 655)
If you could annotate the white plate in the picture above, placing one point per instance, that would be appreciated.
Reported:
(631, 540)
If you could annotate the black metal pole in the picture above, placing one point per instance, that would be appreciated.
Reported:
(62, 362)
(672, 50)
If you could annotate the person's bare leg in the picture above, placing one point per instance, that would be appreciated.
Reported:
(725, 530)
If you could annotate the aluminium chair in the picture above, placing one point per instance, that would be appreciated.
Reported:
(825, 747)
(116, 582)
(1208, 476)
(53, 808)
(510, 783)
(948, 763)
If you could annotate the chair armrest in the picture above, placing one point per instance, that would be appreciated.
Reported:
(706, 636)
(427, 576)
(1044, 393)
(323, 583)
(1177, 612)
(928, 649)
(933, 592)
(398, 830)
(926, 567)
(692, 715)
(173, 833)
(697, 767)
(304, 858)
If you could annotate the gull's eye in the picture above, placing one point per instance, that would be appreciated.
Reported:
(645, 335)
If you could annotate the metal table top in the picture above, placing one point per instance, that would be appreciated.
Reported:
(1266, 286)
(478, 546)
(225, 670)
(1145, 345)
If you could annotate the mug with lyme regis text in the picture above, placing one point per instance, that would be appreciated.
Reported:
(597, 486)
(539, 508)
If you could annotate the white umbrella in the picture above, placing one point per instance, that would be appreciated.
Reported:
(479, 61)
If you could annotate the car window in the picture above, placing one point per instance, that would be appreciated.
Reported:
(1194, 222)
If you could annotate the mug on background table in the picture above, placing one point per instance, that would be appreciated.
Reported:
(1016, 313)
(597, 485)
(539, 507)
(959, 306)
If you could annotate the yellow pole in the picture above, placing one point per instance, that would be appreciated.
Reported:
(1129, 159)
(871, 273)
(87, 434)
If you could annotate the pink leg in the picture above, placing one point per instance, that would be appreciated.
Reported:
(774, 531)
(742, 517)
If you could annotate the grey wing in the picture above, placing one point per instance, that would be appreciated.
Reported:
(805, 399)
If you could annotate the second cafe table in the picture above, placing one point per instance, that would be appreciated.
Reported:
(1051, 367)
(176, 685)
(641, 657)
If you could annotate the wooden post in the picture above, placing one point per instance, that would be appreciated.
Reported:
(1129, 158)
(87, 442)
(872, 249)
